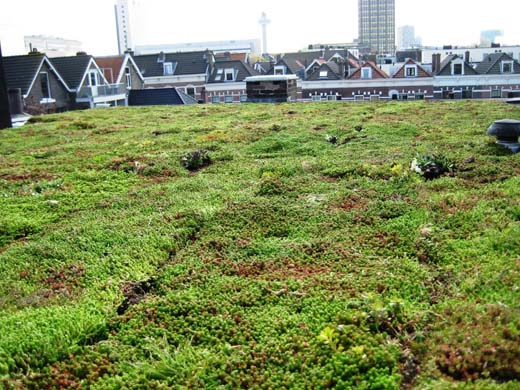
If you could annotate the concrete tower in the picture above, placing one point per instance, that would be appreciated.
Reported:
(264, 22)
(377, 26)
(124, 34)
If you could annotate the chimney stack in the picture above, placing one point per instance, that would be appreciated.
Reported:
(436, 63)
(467, 56)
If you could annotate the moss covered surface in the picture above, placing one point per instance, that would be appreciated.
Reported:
(287, 262)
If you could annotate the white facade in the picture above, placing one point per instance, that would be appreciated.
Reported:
(477, 54)
(52, 46)
(251, 46)
(406, 37)
(123, 24)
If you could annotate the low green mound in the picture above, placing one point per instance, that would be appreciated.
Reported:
(301, 246)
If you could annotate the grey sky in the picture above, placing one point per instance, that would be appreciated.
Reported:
(294, 25)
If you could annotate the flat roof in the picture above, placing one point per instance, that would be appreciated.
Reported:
(271, 78)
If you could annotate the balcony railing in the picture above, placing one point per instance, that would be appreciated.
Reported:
(101, 91)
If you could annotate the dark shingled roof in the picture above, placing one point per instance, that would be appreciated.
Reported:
(21, 70)
(186, 63)
(72, 69)
(491, 63)
(332, 69)
(242, 70)
(158, 97)
(452, 57)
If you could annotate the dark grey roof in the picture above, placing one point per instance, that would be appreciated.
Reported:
(72, 69)
(332, 69)
(444, 71)
(186, 63)
(158, 97)
(491, 63)
(20, 71)
(242, 70)
(265, 65)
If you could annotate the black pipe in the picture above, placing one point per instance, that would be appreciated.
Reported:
(5, 114)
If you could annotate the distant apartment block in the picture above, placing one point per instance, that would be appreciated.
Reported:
(377, 26)
(52, 46)
(123, 25)
(251, 46)
(406, 38)
(488, 37)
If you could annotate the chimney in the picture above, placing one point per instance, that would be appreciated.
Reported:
(436, 63)
(467, 56)
(130, 52)
(341, 64)
(15, 101)
(81, 53)
(162, 57)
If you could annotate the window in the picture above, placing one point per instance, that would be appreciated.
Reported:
(332, 97)
(324, 74)
(457, 69)
(168, 68)
(190, 91)
(366, 73)
(316, 98)
(496, 94)
(419, 96)
(243, 98)
(93, 78)
(507, 66)
(215, 99)
(279, 70)
(46, 89)
(228, 99)
(128, 77)
(410, 71)
(230, 75)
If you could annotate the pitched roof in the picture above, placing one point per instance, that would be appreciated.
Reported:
(186, 63)
(158, 97)
(20, 71)
(241, 69)
(452, 57)
(421, 71)
(231, 57)
(72, 69)
(332, 69)
(111, 66)
(369, 64)
(491, 60)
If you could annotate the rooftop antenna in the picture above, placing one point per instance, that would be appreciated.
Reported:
(264, 22)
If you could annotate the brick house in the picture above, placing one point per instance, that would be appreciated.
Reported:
(35, 81)
(121, 70)
(226, 83)
(188, 71)
(87, 83)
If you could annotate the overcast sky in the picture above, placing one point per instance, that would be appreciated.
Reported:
(294, 25)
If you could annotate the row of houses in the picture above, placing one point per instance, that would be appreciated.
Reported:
(38, 84)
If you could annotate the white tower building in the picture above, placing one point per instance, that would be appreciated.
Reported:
(264, 22)
(124, 34)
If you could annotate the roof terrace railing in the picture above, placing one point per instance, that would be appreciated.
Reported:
(101, 90)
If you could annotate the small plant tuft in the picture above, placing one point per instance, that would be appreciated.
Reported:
(195, 160)
(432, 166)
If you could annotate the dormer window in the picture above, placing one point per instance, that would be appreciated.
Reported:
(507, 67)
(279, 70)
(168, 68)
(457, 68)
(366, 73)
(410, 71)
(324, 74)
(229, 75)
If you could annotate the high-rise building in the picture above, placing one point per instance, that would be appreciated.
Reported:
(377, 26)
(406, 37)
(124, 33)
(488, 37)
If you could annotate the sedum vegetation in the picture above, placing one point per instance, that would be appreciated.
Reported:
(279, 260)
